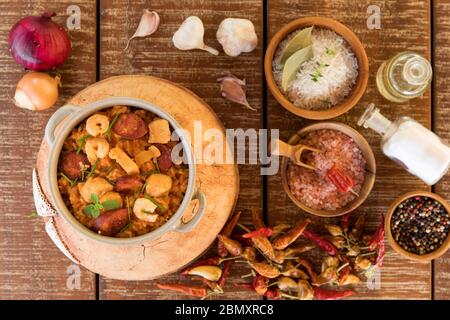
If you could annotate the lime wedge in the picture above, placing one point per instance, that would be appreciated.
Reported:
(294, 63)
(301, 40)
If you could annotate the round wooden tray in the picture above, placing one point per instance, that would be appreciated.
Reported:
(173, 250)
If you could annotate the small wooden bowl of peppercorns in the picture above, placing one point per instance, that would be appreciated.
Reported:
(418, 224)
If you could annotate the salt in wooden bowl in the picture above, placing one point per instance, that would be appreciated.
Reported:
(369, 179)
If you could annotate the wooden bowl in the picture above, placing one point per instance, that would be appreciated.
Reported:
(425, 257)
(363, 73)
(370, 168)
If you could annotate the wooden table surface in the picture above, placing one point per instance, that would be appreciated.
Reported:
(31, 267)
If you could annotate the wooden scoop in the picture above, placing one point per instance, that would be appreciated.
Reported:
(294, 152)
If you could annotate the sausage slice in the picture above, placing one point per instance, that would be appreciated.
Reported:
(130, 126)
(128, 184)
(111, 222)
(165, 159)
(72, 163)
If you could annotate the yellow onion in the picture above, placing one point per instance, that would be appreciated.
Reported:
(37, 91)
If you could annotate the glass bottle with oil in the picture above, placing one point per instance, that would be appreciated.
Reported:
(405, 76)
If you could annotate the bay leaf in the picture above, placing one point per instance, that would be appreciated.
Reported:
(301, 40)
(293, 64)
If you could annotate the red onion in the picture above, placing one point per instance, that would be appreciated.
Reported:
(38, 43)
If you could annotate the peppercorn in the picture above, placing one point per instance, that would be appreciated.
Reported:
(420, 225)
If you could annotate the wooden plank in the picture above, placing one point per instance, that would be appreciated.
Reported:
(441, 122)
(31, 267)
(404, 26)
(198, 71)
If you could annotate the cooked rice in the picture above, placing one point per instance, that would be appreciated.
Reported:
(339, 72)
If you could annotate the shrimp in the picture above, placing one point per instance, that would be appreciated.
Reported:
(97, 124)
(96, 148)
(143, 209)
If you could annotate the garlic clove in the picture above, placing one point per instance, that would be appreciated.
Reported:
(233, 89)
(237, 36)
(190, 34)
(148, 25)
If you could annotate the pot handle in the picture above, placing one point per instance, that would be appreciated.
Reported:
(189, 226)
(56, 119)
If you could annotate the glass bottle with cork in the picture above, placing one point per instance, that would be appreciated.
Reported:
(405, 76)
(420, 151)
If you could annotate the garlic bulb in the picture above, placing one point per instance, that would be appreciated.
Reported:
(237, 36)
(190, 36)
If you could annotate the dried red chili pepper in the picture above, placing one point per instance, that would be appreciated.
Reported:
(264, 246)
(343, 274)
(323, 294)
(231, 224)
(249, 254)
(298, 249)
(358, 228)
(309, 269)
(262, 232)
(265, 269)
(244, 241)
(322, 243)
(273, 293)
(211, 284)
(194, 291)
(279, 256)
(260, 284)
(257, 219)
(283, 241)
(345, 221)
(279, 229)
(378, 236)
(343, 182)
(225, 273)
(221, 251)
(213, 261)
(380, 254)
(232, 246)
(226, 231)
(294, 272)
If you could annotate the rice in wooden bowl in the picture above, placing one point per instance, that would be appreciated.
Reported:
(327, 69)
(341, 145)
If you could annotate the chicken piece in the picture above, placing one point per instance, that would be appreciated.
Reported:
(143, 209)
(97, 186)
(158, 185)
(148, 155)
(124, 161)
(159, 131)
